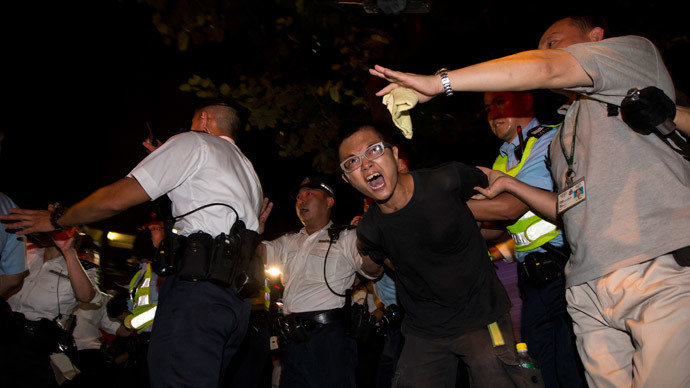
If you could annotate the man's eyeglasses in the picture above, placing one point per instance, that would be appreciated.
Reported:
(372, 152)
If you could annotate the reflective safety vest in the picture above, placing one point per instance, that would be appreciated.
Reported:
(143, 309)
(530, 231)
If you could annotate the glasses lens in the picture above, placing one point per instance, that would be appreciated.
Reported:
(375, 151)
(351, 164)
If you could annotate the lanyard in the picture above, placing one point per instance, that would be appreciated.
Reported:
(570, 174)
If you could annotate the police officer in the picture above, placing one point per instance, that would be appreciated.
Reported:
(57, 282)
(198, 325)
(316, 270)
(545, 324)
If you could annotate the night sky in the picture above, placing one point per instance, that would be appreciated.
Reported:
(81, 80)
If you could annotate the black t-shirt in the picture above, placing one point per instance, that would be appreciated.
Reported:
(445, 280)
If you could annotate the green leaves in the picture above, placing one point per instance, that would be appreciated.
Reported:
(302, 77)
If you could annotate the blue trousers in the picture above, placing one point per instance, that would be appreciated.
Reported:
(326, 360)
(197, 328)
(548, 332)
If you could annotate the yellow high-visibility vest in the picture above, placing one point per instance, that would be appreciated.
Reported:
(530, 231)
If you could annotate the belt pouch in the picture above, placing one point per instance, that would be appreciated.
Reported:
(223, 260)
(294, 328)
(196, 257)
(541, 267)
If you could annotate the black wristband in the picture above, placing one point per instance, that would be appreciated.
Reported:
(58, 211)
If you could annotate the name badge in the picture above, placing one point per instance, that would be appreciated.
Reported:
(571, 195)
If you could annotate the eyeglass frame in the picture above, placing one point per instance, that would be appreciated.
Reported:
(363, 154)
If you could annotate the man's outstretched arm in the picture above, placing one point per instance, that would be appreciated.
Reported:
(534, 69)
(101, 204)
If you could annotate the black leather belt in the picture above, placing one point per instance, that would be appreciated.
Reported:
(321, 317)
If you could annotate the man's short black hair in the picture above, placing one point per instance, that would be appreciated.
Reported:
(117, 305)
(586, 22)
(351, 127)
(241, 112)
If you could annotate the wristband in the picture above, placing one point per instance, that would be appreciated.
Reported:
(58, 211)
(443, 72)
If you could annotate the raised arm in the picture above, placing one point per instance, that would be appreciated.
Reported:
(534, 69)
(84, 290)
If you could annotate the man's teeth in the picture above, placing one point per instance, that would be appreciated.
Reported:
(372, 177)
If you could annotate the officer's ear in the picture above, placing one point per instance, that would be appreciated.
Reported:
(596, 34)
(330, 201)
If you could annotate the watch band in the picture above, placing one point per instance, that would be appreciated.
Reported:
(55, 216)
(443, 72)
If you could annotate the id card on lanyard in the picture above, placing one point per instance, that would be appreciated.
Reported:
(574, 191)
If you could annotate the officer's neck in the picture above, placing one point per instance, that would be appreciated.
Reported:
(315, 226)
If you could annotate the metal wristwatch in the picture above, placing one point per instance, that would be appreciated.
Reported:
(443, 72)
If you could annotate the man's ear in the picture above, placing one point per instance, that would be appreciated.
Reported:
(345, 178)
(330, 201)
(395, 153)
(204, 122)
(596, 34)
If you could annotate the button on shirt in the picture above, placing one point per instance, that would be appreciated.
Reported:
(196, 169)
(300, 257)
(47, 291)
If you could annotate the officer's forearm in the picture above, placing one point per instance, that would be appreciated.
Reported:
(81, 284)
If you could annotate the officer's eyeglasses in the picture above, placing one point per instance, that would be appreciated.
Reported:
(372, 152)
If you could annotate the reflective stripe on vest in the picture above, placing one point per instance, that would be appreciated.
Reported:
(143, 309)
(530, 231)
(142, 320)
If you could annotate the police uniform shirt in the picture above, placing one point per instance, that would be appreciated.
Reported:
(47, 291)
(196, 169)
(300, 257)
(91, 318)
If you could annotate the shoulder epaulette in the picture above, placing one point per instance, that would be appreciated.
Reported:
(540, 131)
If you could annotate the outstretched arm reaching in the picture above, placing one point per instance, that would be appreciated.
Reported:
(534, 69)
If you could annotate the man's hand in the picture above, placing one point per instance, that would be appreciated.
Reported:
(151, 144)
(266, 208)
(497, 184)
(29, 221)
(64, 240)
(425, 87)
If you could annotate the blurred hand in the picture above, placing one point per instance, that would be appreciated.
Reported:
(425, 87)
(151, 144)
(28, 221)
(497, 184)
(64, 239)
(266, 208)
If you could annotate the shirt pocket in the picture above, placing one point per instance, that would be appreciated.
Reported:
(337, 266)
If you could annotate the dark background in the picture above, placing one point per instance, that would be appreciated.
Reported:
(81, 79)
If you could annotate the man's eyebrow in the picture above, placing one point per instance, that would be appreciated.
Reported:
(365, 148)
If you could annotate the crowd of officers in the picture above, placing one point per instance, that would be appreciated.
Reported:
(602, 253)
